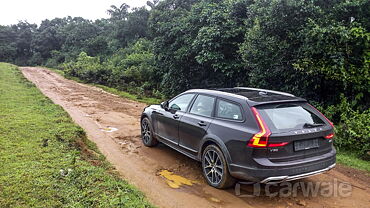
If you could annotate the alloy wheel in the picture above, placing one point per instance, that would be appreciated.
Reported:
(213, 167)
(145, 131)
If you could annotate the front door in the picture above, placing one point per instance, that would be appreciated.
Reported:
(168, 120)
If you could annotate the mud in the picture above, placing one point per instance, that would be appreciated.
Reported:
(112, 123)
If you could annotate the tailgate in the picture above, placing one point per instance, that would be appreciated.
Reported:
(300, 127)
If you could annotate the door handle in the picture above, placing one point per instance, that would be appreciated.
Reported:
(201, 123)
(176, 116)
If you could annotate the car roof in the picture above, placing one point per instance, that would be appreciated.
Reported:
(254, 96)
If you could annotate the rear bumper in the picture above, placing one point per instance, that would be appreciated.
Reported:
(285, 172)
(280, 179)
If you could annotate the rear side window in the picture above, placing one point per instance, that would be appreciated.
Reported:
(181, 103)
(203, 106)
(285, 117)
(228, 110)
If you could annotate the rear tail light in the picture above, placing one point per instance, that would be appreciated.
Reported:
(259, 139)
(329, 136)
(331, 124)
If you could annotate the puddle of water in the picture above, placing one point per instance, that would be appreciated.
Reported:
(175, 181)
(109, 129)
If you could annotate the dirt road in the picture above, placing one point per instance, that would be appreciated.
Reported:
(112, 123)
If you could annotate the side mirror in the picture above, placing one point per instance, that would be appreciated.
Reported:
(164, 105)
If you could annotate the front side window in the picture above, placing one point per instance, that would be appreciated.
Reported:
(181, 103)
(203, 106)
(228, 110)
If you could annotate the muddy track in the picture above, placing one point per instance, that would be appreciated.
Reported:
(101, 113)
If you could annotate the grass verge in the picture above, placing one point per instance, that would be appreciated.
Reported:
(46, 160)
(352, 160)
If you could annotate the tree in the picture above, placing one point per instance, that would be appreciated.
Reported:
(196, 43)
(136, 26)
(174, 56)
(118, 13)
(8, 48)
(49, 37)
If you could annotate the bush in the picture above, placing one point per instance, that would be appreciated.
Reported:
(352, 127)
(88, 68)
(131, 69)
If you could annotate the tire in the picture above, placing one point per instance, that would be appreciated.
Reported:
(147, 135)
(214, 168)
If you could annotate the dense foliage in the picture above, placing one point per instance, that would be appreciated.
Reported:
(317, 49)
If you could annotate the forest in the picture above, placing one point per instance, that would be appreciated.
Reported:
(316, 49)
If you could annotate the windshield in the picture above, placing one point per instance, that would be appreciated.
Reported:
(285, 117)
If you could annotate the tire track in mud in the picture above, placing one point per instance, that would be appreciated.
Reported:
(112, 123)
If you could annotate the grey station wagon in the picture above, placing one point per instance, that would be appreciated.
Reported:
(243, 133)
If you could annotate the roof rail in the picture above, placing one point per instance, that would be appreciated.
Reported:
(264, 90)
(222, 92)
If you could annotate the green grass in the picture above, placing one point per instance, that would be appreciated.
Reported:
(147, 100)
(352, 160)
(38, 141)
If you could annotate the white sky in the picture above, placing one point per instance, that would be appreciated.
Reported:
(34, 11)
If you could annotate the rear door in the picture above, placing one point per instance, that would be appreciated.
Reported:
(194, 124)
(300, 126)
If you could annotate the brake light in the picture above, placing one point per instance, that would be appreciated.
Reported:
(331, 124)
(278, 144)
(259, 139)
(330, 136)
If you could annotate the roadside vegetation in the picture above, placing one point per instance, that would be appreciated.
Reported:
(46, 160)
(316, 49)
(352, 159)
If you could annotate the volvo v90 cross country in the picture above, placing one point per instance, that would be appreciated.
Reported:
(243, 133)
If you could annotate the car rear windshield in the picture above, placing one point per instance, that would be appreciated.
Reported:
(287, 117)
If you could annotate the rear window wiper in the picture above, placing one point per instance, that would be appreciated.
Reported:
(311, 125)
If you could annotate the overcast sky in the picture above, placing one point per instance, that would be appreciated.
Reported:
(34, 11)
